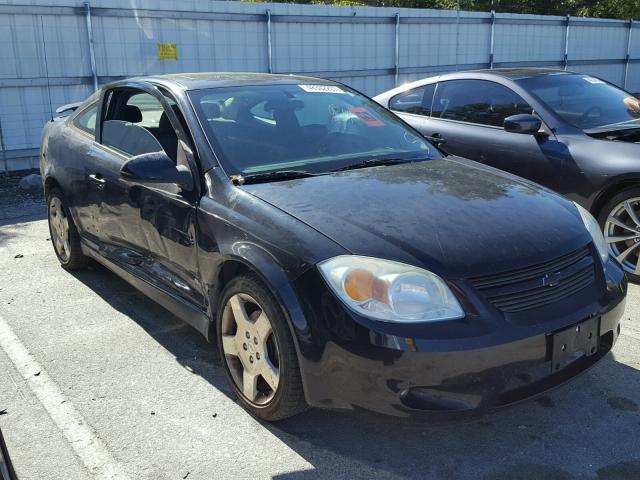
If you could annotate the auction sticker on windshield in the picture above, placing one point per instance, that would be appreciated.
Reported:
(366, 116)
(633, 103)
(593, 80)
(322, 88)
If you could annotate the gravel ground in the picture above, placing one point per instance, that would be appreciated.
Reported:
(97, 381)
(15, 202)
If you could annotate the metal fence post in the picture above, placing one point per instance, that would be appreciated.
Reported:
(397, 51)
(627, 56)
(566, 43)
(4, 153)
(493, 33)
(92, 54)
(269, 51)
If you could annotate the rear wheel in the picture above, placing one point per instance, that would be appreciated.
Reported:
(63, 232)
(620, 222)
(257, 350)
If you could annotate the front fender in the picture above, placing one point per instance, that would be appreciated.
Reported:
(259, 261)
(237, 232)
(250, 257)
(610, 187)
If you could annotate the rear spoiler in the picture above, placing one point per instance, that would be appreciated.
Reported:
(69, 107)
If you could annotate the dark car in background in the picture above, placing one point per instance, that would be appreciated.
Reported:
(331, 252)
(573, 133)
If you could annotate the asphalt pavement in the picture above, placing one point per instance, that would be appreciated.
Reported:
(97, 381)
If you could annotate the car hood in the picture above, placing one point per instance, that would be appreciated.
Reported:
(455, 217)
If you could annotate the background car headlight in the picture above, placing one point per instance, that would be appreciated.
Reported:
(390, 291)
(596, 233)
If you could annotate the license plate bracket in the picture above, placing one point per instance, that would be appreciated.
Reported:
(573, 342)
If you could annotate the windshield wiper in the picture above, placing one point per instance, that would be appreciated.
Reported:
(271, 176)
(375, 162)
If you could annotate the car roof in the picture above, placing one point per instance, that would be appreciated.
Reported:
(511, 74)
(195, 81)
(519, 73)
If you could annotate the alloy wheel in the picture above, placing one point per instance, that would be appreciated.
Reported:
(59, 229)
(250, 349)
(622, 232)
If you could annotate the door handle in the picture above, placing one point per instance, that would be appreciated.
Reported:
(436, 138)
(97, 179)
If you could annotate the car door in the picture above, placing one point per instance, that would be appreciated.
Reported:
(468, 116)
(148, 229)
(76, 152)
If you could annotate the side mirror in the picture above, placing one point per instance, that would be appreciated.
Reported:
(156, 167)
(523, 123)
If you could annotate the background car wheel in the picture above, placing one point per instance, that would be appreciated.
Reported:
(620, 222)
(257, 350)
(64, 235)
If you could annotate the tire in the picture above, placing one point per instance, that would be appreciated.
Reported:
(64, 234)
(619, 219)
(248, 349)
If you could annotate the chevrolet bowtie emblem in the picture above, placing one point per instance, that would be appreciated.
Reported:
(551, 279)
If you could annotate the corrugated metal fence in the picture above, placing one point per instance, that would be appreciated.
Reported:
(53, 53)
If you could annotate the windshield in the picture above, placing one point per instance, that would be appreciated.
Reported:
(585, 102)
(310, 128)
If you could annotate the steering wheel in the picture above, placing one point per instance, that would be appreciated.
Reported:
(585, 116)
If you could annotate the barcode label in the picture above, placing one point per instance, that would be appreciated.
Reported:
(322, 88)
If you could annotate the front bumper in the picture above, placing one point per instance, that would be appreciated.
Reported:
(349, 365)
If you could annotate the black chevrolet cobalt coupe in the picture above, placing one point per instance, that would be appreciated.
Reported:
(337, 259)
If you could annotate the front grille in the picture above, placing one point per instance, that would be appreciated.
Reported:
(538, 285)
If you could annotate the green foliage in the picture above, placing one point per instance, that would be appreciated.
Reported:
(621, 9)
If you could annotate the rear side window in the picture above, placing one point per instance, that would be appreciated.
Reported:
(86, 120)
(477, 101)
(416, 101)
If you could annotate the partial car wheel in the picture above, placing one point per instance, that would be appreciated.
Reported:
(257, 350)
(64, 234)
(620, 222)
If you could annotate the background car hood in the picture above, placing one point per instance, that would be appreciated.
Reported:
(455, 217)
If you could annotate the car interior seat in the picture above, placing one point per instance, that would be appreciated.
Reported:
(129, 113)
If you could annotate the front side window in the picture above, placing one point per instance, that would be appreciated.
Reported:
(315, 128)
(86, 120)
(477, 101)
(416, 101)
(583, 101)
(136, 124)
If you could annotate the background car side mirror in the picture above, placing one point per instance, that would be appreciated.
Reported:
(157, 167)
(523, 123)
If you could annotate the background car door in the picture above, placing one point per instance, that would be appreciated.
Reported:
(469, 114)
(148, 228)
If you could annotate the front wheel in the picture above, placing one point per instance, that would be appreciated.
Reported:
(257, 350)
(64, 235)
(620, 222)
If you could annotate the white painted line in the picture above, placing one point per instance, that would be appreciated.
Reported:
(87, 446)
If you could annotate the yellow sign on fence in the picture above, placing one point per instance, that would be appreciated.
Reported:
(167, 51)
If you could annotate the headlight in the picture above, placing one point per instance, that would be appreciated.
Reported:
(596, 234)
(390, 291)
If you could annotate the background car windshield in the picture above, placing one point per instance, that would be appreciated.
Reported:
(585, 102)
(314, 128)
